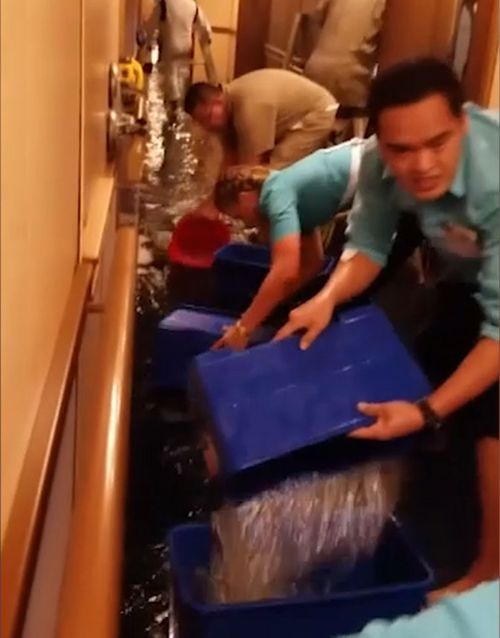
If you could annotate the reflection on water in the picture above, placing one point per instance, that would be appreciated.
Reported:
(177, 177)
(167, 476)
(148, 601)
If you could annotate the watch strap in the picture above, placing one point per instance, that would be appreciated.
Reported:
(432, 420)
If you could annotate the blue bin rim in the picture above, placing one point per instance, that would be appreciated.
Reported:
(276, 603)
(221, 255)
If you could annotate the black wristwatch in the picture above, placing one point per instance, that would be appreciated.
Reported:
(432, 421)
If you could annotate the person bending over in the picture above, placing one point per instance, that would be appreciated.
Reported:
(268, 116)
(288, 207)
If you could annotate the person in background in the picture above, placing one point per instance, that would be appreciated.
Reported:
(470, 615)
(441, 157)
(346, 51)
(177, 21)
(288, 207)
(268, 116)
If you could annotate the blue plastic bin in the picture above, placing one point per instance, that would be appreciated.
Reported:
(183, 334)
(393, 582)
(275, 399)
(241, 268)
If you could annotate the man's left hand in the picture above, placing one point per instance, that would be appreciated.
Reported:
(392, 420)
(233, 338)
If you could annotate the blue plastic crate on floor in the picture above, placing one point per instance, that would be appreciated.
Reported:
(241, 268)
(273, 400)
(183, 334)
(395, 581)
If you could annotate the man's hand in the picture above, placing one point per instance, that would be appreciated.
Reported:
(233, 338)
(313, 317)
(392, 420)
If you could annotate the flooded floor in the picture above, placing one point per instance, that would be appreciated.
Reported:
(167, 482)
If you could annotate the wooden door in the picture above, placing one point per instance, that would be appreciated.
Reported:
(223, 16)
(253, 26)
(481, 71)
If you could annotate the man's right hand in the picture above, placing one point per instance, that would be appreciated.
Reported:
(312, 317)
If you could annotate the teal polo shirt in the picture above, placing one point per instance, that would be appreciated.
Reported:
(309, 193)
(471, 204)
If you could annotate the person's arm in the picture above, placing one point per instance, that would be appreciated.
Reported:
(477, 372)
(287, 275)
(279, 207)
(281, 280)
(480, 368)
(371, 227)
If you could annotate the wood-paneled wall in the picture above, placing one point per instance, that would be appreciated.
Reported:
(40, 150)
(223, 16)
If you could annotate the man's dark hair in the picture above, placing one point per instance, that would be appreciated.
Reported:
(411, 81)
(198, 93)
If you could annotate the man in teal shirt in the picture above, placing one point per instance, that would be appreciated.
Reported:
(289, 206)
(470, 615)
(441, 158)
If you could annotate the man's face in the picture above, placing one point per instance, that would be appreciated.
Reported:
(245, 208)
(421, 143)
(212, 114)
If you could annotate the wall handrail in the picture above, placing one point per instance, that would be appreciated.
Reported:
(23, 532)
(91, 588)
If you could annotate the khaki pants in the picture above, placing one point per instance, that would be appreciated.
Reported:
(347, 49)
(310, 135)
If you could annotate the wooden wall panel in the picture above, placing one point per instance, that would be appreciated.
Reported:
(414, 27)
(253, 27)
(483, 56)
(281, 20)
(40, 140)
(222, 14)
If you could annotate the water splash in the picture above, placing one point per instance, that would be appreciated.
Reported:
(146, 608)
(178, 174)
(279, 537)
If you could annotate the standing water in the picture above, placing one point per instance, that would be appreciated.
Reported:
(167, 483)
